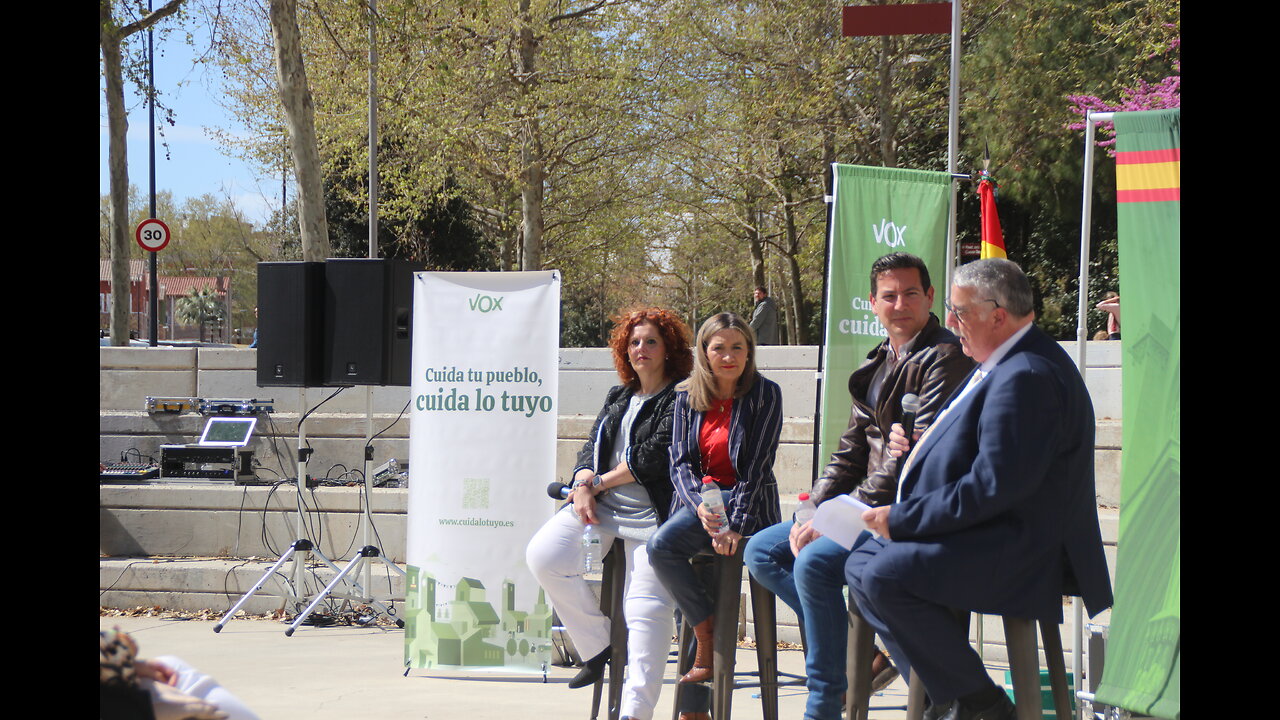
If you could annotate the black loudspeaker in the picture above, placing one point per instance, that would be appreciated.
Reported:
(290, 324)
(368, 321)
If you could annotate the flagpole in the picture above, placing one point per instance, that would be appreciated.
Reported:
(1082, 329)
(953, 135)
(1086, 220)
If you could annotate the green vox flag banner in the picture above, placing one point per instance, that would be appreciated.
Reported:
(877, 211)
(1143, 664)
(482, 450)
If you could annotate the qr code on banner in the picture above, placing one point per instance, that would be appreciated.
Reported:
(475, 493)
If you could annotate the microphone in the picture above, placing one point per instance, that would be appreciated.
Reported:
(558, 490)
(910, 406)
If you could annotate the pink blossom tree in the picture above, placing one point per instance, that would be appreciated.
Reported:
(1145, 95)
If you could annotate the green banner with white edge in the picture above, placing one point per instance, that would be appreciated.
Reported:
(1142, 672)
(876, 211)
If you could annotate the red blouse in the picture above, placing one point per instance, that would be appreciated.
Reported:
(713, 444)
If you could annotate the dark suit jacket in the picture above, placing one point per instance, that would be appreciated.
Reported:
(1000, 498)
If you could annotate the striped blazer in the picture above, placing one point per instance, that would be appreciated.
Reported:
(754, 427)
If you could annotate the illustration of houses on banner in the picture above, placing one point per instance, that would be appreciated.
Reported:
(467, 631)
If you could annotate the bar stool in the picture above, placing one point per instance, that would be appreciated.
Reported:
(859, 652)
(612, 589)
(1024, 666)
(728, 574)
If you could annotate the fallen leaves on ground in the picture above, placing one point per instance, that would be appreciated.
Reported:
(360, 615)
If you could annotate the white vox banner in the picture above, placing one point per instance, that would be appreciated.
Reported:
(482, 450)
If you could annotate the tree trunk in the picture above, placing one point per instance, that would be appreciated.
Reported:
(110, 39)
(508, 233)
(118, 167)
(531, 207)
(295, 94)
(888, 121)
(755, 242)
(534, 177)
(795, 295)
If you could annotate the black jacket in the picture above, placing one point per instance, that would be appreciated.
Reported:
(648, 457)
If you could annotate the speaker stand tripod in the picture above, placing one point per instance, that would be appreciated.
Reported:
(368, 554)
(296, 589)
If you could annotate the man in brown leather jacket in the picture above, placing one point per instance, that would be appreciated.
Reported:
(806, 570)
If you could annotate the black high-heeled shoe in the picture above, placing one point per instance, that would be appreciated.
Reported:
(592, 670)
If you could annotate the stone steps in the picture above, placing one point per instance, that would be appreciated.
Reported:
(201, 545)
(196, 546)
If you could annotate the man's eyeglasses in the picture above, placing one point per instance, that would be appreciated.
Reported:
(961, 311)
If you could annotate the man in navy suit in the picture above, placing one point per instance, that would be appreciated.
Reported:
(996, 510)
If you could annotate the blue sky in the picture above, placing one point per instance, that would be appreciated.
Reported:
(195, 163)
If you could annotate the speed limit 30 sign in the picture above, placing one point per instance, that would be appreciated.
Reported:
(152, 235)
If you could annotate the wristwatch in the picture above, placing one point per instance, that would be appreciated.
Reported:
(596, 482)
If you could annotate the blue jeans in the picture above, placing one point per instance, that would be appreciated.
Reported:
(813, 586)
(670, 549)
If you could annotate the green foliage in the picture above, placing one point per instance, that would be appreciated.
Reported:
(201, 308)
(134, 59)
(209, 238)
(582, 322)
(442, 235)
(684, 145)
(1022, 61)
(1047, 246)
(202, 305)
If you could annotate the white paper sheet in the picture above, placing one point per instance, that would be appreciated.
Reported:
(840, 519)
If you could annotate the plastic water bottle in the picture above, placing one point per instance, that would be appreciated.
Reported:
(806, 509)
(713, 499)
(592, 557)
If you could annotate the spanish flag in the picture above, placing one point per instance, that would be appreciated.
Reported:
(992, 238)
(1148, 175)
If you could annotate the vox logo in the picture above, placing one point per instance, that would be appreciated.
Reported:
(889, 233)
(485, 303)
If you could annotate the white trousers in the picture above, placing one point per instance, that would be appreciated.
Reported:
(197, 684)
(555, 557)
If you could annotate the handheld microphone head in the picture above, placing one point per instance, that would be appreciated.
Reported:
(910, 404)
(558, 490)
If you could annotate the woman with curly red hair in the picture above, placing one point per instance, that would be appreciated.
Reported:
(622, 485)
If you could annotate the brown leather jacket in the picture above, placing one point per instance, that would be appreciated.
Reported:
(933, 370)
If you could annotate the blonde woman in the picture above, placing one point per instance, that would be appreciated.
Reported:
(725, 427)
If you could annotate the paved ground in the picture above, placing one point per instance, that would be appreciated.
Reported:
(350, 673)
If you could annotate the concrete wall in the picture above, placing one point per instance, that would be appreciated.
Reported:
(220, 520)
(197, 545)
(338, 428)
